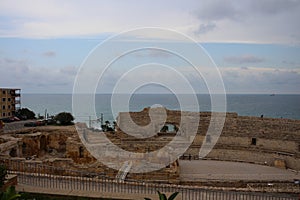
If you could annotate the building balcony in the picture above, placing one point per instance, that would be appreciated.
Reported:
(16, 102)
(15, 92)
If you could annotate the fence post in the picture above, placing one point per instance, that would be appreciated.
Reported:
(40, 175)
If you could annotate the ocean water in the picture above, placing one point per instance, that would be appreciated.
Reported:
(278, 106)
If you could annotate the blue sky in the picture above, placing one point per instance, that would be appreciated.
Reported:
(255, 44)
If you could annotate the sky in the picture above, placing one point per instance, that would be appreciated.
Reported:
(255, 44)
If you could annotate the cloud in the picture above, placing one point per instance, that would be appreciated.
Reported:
(236, 80)
(245, 21)
(290, 63)
(272, 7)
(217, 10)
(250, 21)
(261, 80)
(243, 59)
(22, 74)
(244, 68)
(78, 18)
(280, 77)
(204, 28)
(154, 53)
(49, 54)
(70, 70)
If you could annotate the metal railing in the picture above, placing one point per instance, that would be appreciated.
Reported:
(43, 176)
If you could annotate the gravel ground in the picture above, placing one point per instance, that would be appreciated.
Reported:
(199, 170)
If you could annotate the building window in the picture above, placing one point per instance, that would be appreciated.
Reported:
(3, 99)
(253, 141)
(13, 152)
(3, 92)
(8, 113)
(80, 152)
(3, 107)
(3, 114)
(8, 99)
(9, 107)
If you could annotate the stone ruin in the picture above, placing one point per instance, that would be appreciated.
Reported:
(267, 141)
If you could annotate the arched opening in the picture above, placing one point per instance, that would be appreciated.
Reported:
(43, 143)
(169, 128)
(253, 141)
(13, 152)
(80, 152)
(24, 149)
(62, 146)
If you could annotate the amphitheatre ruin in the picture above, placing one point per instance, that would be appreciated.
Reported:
(251, 151)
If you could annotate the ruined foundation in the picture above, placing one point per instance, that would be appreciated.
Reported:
(264, 141)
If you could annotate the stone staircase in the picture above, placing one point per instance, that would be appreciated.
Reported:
(124, 170)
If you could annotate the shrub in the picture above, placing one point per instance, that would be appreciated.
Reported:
(25, 113)
(64, 118)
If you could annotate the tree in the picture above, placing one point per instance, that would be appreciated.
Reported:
(64, 118)
(25, 113)
(107, 127)
(115, 125)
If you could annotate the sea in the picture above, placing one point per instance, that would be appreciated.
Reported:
(273, 106)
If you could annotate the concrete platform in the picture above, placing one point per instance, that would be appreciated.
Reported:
(199, 170)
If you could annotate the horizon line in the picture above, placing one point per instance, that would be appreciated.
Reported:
(168, 93)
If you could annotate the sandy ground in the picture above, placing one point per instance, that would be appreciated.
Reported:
(15, 126)
(199, 170)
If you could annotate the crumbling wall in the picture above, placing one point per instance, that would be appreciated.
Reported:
(248, 139)
(31, 144)
(77, 152)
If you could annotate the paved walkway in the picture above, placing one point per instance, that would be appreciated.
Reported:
(86, 193)
(94, 187)
(199, 170)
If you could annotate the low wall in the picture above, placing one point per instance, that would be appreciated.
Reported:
(257, 157)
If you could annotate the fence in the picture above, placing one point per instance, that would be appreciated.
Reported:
(43, 176)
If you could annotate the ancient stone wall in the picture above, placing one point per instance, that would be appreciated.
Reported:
(273, 142)
(248, 139)
(77, 152)
(10, 146)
